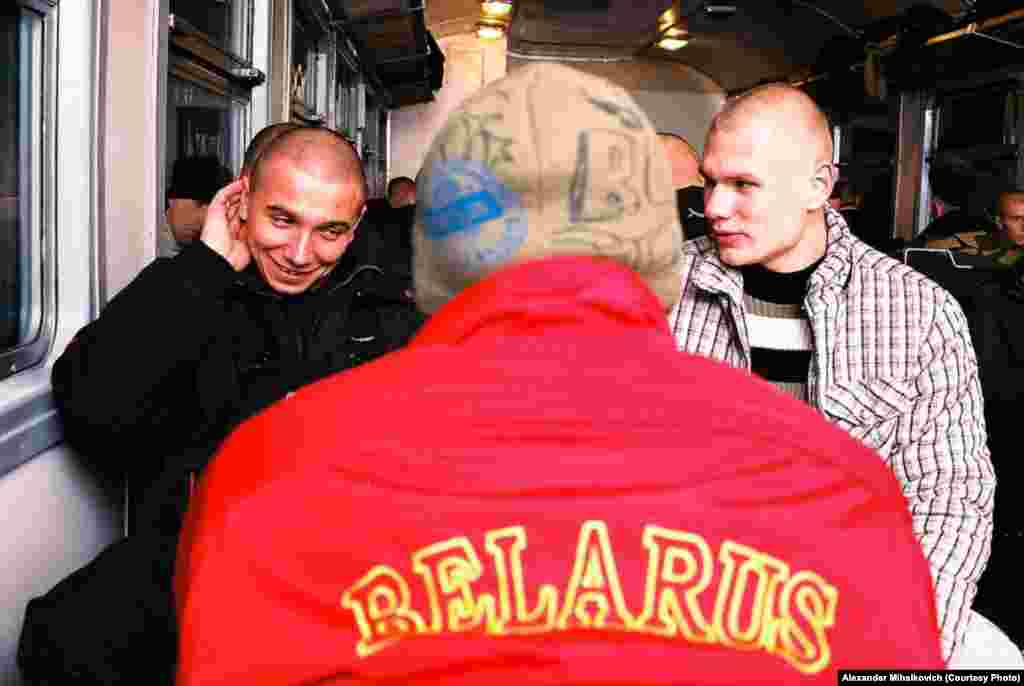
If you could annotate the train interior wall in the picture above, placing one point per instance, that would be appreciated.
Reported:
(58, 514)
(677, 98)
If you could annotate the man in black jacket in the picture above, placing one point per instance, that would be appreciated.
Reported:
(193, 346)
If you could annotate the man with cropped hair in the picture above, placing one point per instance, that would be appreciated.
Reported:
(781, 288)
(566, 499)
(263, 138)
(248, 313)
(194, 182)
(401, 192)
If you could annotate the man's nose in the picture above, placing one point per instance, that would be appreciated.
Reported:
(300, 248)
(716, 202)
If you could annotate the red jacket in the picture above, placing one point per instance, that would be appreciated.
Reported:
(540, 489)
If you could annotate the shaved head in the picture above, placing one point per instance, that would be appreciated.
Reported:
(787, 114)
(683, 159)
(321, 152)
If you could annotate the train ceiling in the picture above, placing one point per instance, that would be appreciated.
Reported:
(737, 44)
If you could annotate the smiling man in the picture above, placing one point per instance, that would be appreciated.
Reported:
(782, 288)
(193, 346)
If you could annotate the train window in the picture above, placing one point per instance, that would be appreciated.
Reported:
(311, 46)
(975, 144)
(202, 121)
(225, 23)
(349, 91)
(867, 153)
(977, 117)
(375, 146)
(24, 224)
(209, 84)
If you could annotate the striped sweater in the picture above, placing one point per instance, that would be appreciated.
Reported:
(780, 335)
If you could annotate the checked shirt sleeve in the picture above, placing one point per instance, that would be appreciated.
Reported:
(943, 464)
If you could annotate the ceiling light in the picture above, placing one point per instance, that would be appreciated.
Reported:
(490, 31)
(668, 18)
(672, 43)
(497, 8)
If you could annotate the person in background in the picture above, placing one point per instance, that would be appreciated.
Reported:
(1001, 242)
(541, 514)
(957, 223)
(401, 192)
(781, 287)
(997, 327)
(246, 314)
(689, 184)
(391, 219)
(1008, 241)
(1011, 215)
(194, 182)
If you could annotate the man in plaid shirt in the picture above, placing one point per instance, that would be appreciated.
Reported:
(782, 288)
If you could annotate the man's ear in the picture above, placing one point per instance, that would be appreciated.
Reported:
(822, 183)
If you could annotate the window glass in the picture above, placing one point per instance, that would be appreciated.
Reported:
(20, 180)
(974, 151)
(227, 23)
(867, 158)
(375, 146)
(310, 47)
(200, 124)
(976, 117)
(347, 109)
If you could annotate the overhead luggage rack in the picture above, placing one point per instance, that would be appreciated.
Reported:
(397, 52)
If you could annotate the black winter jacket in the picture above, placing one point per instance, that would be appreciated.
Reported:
(191, 348)
(182, 355)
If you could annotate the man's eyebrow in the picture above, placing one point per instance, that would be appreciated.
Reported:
(730, 176)
(278, 209)
(334, 224)
(325, 226)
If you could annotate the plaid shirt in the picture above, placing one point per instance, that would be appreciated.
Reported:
(894, 366)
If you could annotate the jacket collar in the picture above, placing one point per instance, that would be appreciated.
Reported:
(575, 296)
(833, 274)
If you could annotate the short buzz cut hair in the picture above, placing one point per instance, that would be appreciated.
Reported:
(296, 143)
(263, 138)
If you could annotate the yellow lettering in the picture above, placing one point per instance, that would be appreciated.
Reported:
(380, 603)
(808, 609)
(679, 568)
(506, 547)
(448, 569)
(594, 591)
(746, 592)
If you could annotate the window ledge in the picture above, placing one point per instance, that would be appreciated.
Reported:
(29, 423)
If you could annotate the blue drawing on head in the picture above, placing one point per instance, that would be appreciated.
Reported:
(464, 196)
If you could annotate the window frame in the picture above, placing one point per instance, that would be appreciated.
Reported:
(43, 185)
(223, 71)
(311, 105)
